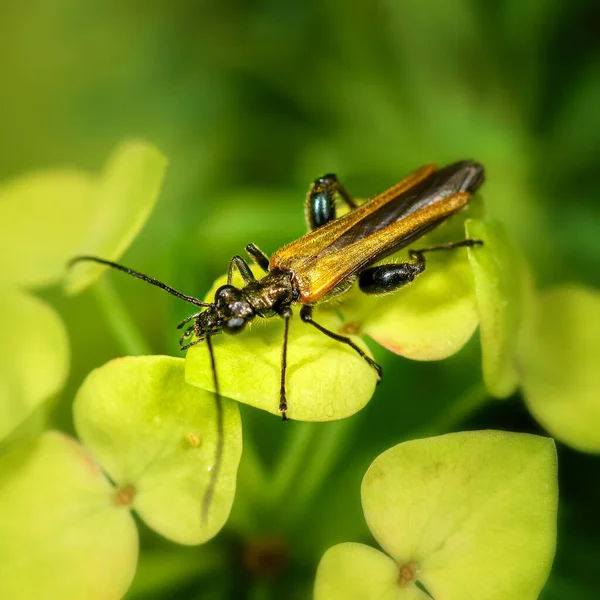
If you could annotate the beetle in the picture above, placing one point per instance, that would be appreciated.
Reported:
(335, 253)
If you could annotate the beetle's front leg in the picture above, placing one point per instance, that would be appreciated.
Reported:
(319, 207)
(237, 262)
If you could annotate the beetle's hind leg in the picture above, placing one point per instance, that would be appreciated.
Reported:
(306, 316)
(384, 279)
(319, 207)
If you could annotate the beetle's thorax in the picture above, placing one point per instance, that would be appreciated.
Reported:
(271, 293)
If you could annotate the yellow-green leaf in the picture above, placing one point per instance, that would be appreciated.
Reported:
(560, 366)
(504, 292)
(465, 510)
(63, 536)
(125, 196)
(326, 380)
(170, 447)
(34, 356)
(357, 572)
(44, 220)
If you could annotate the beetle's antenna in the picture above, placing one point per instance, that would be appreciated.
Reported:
(214, 470)
(160, 284)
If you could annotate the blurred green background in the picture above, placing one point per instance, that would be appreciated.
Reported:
(250, 102)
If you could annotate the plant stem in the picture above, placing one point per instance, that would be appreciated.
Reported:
(119, 320)
(290, 462)
(458, 411)
(324, 455)
(162, 570)
(252, 478)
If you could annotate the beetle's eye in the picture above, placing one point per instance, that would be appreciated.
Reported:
(226, 292)
(234, 325)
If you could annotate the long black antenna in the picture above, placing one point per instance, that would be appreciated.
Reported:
(141, 276)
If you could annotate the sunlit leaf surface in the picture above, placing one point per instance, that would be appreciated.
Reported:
(63, 534)
(325, 380)
(34, 356)
(561, 374)
(171, 449)
(466, 509)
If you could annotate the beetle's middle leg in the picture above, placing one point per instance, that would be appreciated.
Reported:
(384, 279)
(319, 207)
(306, 316)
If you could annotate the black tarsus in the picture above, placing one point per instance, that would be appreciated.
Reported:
(148, 279)
(186, 346)
(468, 243)
(188, 319)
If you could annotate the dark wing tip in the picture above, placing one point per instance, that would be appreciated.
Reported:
(472, 175)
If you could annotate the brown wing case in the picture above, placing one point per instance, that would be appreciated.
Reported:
(324, 258)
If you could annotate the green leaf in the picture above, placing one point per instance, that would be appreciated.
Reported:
(126, 194)
(34, 356)
(560, 370)
(64, 536)
(44, 220)
(48, 217)
(170, 447)
(503, 290)
(326, 380)
(473, 514)
(354, 571)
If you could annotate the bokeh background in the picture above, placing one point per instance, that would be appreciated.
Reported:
(251, 101)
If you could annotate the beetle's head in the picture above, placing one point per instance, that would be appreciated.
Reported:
(229, 313)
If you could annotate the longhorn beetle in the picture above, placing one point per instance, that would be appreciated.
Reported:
(325, 262)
